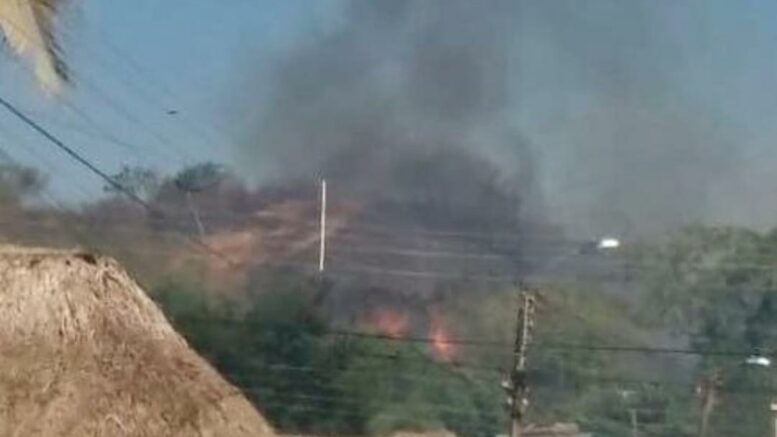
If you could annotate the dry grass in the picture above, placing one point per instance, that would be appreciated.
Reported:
(84, 352)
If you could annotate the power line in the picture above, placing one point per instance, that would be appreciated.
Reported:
(13, 137)
(515, 235)
(54, 203)
(373, 402)
(539, 343)
(423, 340)
(601, 380)
(80, 113)
(349, 230)
(423, 376)
(353, 269)
(134, 67)
(347, 411)
(113, 104)
(544, 344)
(22, 32)
(169, 224)
(415, 375)
(73, 154)
(183, 223)
(642, 349)
(95, 131)
(552, 345)
(94, 169)
(418, 253)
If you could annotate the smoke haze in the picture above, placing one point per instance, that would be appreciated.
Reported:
(588, 114)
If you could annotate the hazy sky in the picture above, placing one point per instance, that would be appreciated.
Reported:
(639, 112)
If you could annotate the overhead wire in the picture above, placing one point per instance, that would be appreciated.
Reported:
(91, 84)
(550, 344)
(379, 402)
(580, 379)
(184, 223)
(84, 162)
(46, 197)
(69, 105)
(533, 373)
(411, 374)
(545, 344)
(163, 141)
(93, 132)
(361, 269)
(52, 139)
(345, 267)
(135, 68)
(15, 138)
(344, 411)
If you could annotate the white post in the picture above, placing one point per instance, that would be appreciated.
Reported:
(322, 232)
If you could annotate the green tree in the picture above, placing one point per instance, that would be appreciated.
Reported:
(715, 285)
(196, 179)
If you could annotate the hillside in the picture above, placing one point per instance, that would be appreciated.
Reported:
(84, 351)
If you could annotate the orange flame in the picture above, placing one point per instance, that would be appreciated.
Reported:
(442, 347)
(389, 322)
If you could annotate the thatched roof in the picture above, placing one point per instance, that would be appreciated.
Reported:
(84, 351)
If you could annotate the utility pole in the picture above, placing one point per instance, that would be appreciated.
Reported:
(322, 231)
(708, 393)
(195, 214)
(517, 388)
(634, 422)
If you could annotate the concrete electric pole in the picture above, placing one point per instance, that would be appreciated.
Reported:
(708, 394)
(322, 229)
(517, 387)
(634, 422)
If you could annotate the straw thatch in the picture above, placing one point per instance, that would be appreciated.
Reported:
(84, 352)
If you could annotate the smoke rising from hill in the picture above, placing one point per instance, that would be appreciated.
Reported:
(572, 111)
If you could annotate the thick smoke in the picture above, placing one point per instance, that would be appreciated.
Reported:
(626, 147)
(403, 91)
(567, 108)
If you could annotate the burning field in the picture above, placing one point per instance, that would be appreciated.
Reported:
(396, 324)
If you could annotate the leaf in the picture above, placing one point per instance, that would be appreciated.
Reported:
(28, 29)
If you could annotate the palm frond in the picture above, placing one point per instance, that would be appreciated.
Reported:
(28, 27)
